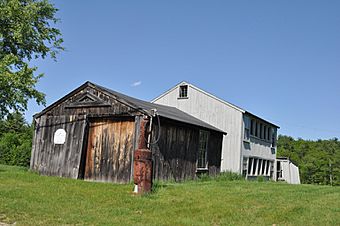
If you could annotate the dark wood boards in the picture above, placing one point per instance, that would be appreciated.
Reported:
(109, 150)
(214, 153)
(175, 155)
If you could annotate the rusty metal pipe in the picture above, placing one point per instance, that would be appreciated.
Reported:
(142, 162)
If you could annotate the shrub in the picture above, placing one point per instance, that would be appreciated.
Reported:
(15, 141)
(229, 176)
(261, 179)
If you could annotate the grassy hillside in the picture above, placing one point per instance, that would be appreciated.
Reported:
(30, 199)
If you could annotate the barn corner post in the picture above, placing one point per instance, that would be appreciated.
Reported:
(142, 170)
(35, 126)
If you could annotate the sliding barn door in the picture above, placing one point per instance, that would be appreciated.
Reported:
(109, 150)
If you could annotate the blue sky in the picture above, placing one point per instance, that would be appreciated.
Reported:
(277, 59)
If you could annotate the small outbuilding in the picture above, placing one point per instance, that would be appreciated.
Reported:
(287, 171)
(92, 133)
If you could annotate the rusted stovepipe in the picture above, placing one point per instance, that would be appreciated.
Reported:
(142, 175)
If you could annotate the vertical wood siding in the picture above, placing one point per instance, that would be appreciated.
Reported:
(58, 159)
(109, 150)
(175, 154)
(214, 153)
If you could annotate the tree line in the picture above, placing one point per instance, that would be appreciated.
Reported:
(318, 161)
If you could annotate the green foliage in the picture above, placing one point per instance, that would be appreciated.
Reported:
(15, 141)
(318, 161)
(223, 176)
(229, 176)
(261, 179)
(25, 33)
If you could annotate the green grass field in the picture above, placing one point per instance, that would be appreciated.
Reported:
(29, 199)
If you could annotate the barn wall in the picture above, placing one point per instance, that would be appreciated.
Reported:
(58, 159)
(67, 160)
(175, 154)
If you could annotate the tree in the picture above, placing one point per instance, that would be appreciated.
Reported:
(15, 140)
(26, 33)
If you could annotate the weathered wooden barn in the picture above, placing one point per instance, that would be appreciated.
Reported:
(92, 132)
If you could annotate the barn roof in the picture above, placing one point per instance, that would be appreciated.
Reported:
(162, 110)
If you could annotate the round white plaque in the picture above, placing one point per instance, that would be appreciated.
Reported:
(59, 136)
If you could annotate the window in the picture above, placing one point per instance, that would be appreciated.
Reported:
(245, 167)
(268, 133)
(259, 167)
(256, 128)
(202, 162)
(250, 164)
(246, 128)
(273, 138)
(254, 166)
(264, 162)
(267, 168)
(183, 91)
(252, 127)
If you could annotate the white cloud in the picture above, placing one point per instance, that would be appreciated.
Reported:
(137, 83)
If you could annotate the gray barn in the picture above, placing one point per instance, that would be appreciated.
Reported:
(92, 132)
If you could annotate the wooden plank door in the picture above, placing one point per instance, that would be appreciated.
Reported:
(109, 150)
(58, 159)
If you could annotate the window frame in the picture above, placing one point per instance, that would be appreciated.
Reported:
(247, 129)
(206, 135)
(186, 91)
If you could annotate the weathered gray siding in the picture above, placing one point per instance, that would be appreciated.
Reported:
(175, 154)
(58, 159)
(73, 114)
(213, 111)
